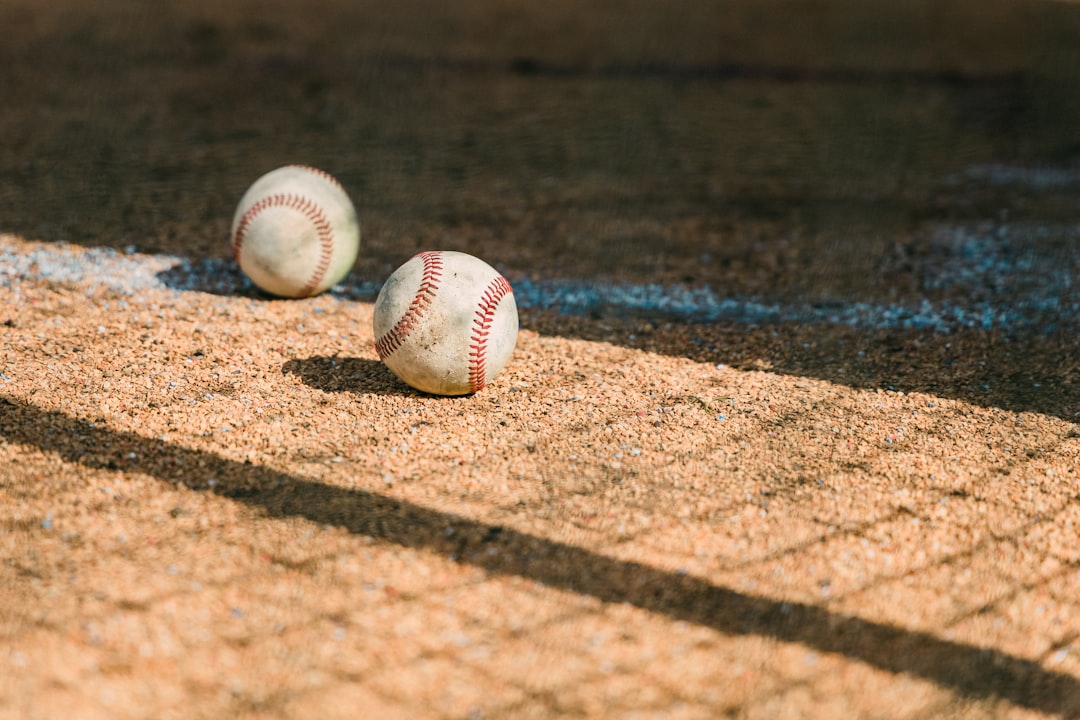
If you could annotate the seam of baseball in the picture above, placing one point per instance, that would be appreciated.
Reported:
(429, 284)
(321, 173)
(311, 210)
(496, 290)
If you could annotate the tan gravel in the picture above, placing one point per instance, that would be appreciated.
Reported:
(837, 479)
(226, 506)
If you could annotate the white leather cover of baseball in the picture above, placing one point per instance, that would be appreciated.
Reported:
(446, 323)
(295, 232)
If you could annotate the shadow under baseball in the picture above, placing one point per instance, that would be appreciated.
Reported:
(348, 374)
(971, 671)
(213, 276)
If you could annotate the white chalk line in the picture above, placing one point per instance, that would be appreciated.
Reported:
(970, 261)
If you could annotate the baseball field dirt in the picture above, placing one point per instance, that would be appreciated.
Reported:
(791, 429)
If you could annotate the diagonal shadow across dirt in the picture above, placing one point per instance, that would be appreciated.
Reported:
(1015, 371)
(971, 671)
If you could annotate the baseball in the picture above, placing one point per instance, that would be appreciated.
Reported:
(295, 232)
(446, 323)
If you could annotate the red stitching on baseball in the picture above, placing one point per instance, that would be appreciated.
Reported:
(496, 290)
(429, 284)
(312, 212)
(321, 173)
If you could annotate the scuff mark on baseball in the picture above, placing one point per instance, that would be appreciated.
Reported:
(446, 323)
(295, 232)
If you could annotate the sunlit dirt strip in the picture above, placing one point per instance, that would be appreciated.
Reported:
(973, 671)
(1050, 302)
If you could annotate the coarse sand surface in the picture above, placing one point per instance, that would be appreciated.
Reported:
(790, 430)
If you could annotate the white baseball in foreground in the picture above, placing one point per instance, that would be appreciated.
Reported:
(295, 232)
(446, 323)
